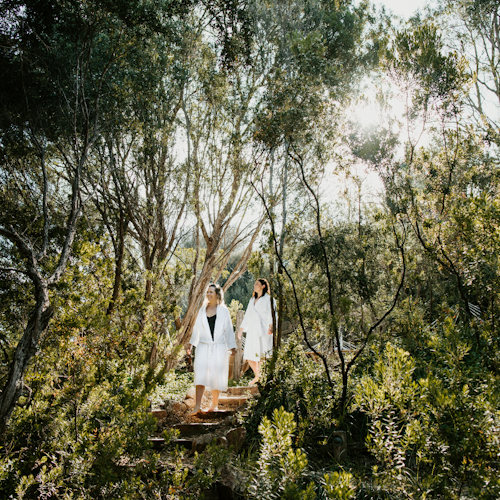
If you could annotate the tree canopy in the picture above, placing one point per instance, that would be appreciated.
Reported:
(149, 148)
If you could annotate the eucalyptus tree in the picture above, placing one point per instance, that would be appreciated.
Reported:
(444, 190)
(150, 191)
(436, 185)
(218, 116)
(61, 61)
(471, 28)
(322, 50)
(149, 185)
(136, 169)
(457, 163)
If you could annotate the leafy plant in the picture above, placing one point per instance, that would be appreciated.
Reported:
(282, 470)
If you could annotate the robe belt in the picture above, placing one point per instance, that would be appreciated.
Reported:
(211, 346)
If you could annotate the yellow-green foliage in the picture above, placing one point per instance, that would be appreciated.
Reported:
(299, 385)
(282, 470)
(428, 435)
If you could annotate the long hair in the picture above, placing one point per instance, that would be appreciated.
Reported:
(266, 289)
(219, 292)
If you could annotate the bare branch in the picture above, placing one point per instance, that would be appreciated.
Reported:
(298, 159)
(297, 302)
(400, 245)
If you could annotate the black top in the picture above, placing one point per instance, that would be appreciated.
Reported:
(211, 324)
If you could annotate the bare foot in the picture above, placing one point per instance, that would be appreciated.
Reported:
(196, 410)
(253, 382)
(215, 408)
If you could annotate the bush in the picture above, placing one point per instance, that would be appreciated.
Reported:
(62, 449)
(282, 470)
(436, 436)
(299, 385)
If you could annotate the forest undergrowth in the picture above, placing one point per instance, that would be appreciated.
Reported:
(151, 147)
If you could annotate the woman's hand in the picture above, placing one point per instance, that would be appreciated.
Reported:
(270, 331)
(188, 351)
(233, 351)
(240, 333)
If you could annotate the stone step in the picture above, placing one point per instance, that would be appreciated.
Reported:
(196, 429)
(157, 443)
(184, 443)
(243, 390)
(159, 414)
(214, 414)
(233, 401)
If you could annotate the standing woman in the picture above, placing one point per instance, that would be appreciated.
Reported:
(258, 323)
(212, 336)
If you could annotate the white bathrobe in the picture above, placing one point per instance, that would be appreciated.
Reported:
(258, 317)
(211, 363)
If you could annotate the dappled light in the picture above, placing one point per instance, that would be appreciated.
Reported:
(249, 250)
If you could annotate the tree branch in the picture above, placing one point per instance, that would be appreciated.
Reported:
(297, 303)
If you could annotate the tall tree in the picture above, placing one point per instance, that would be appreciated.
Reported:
(60, 58)
(219, 111)
(472, 28)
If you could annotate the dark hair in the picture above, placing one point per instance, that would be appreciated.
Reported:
(264, 282)
(219, 292)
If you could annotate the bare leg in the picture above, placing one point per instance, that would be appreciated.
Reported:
(255, 366)
(200, 389)
(215, 400)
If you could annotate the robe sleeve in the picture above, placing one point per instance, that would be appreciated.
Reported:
(195, 336)
(229, 331)
(246, 319)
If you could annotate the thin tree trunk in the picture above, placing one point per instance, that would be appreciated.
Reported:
(118, 263)
(271, 194)
(281, 249)
(238, 358)
(26, 349)
(279, 333)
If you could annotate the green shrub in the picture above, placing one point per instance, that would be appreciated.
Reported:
(438, 436)
(282, 470)
(174, 388)
(299, 385)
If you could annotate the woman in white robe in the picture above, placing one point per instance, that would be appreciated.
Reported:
(211, 364)
(258, 323)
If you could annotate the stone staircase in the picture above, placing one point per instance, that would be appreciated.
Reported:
(197, 431)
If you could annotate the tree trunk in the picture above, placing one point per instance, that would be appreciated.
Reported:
(238, 358)
(26, 349)
(279, 329)
(118, 262)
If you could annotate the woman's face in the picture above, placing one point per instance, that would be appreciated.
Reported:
(258, 287)
(211, 295)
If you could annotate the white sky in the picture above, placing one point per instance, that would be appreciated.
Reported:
(402, 8)
(367, 114)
